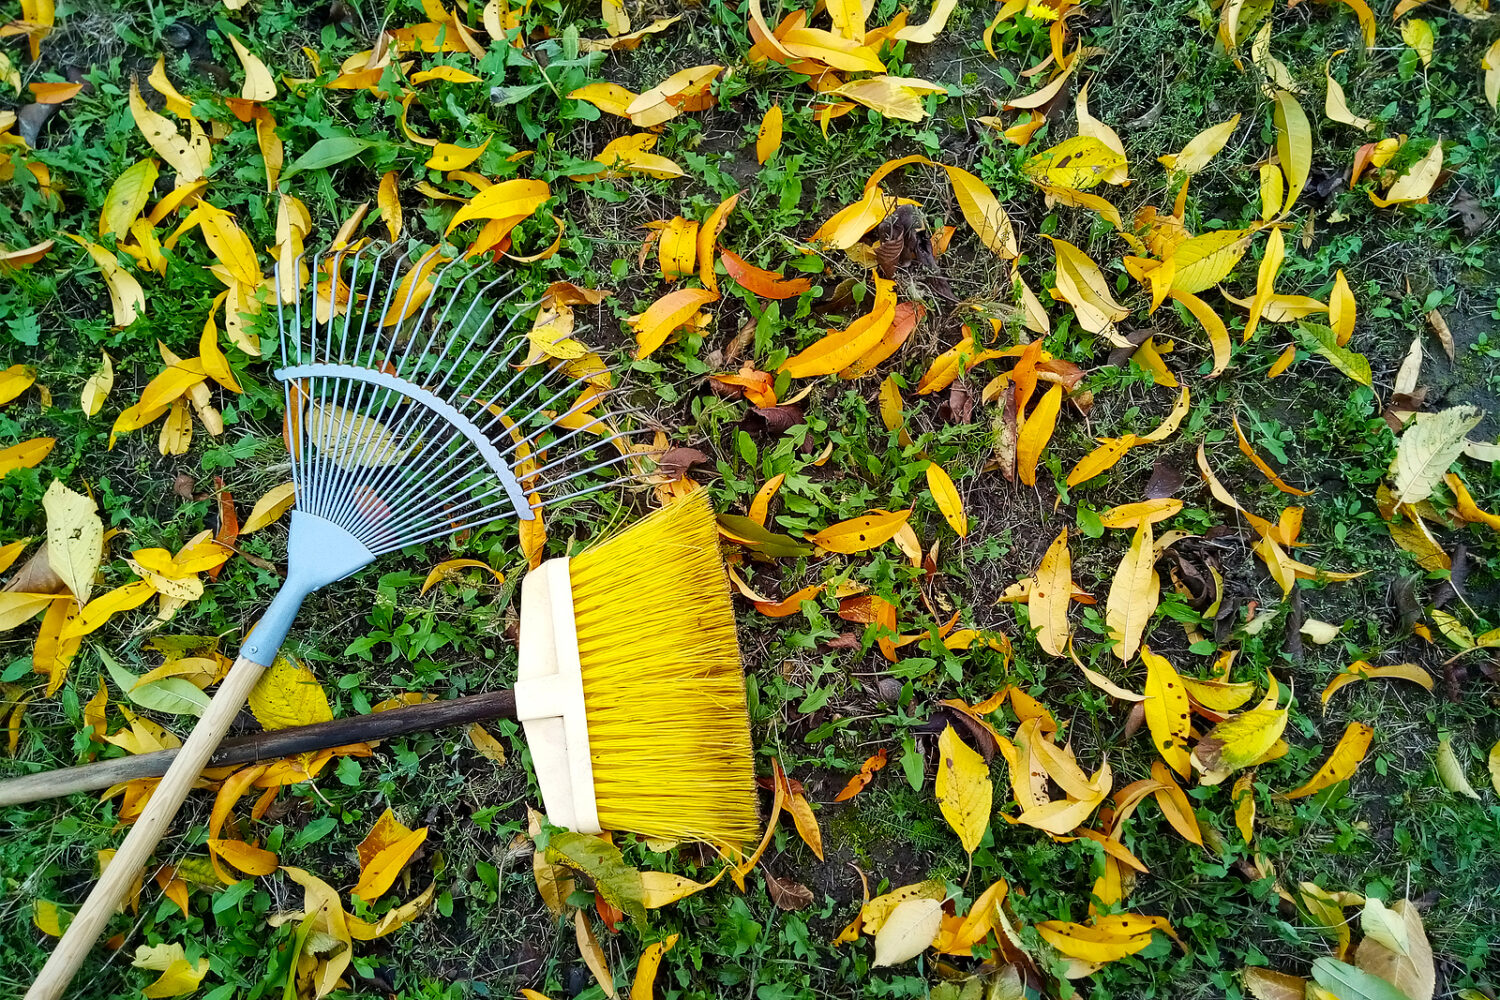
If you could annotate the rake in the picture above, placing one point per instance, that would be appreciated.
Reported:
(410, 415)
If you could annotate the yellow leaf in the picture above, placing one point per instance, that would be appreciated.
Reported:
(383, 853)
(105, 606)
(860, 534)
(630, 154)
(1294, 146)
(1081, 284)
(928, 30)
(687, 89)
(507, 200)
(708, 238)
(1238, 742)
(848, 18)
(664, 888)
(1262, 527)
(1091, 944)
(678, 248)
(178, 975)
(1090, 126)
(393, 919)
(1265, 281)
(126, 297)
(1061, 816)
(189, 157)
(840, 348)
(1102, 458)
(1218, 333)
(1494, 762)
(616, 21)
(1335, 104)
(26, 455)
(229, 243)
(47, 917)
(1204, 261)
(1078, 163)
(1416, 182)
(768, 139)
(126, 197)
(389, 201)
(1174, 804)
(642, 986)
(1173, 419)
(1490, 63)
(259, 84)
(15, 380)
(449, 156)
(875, 912)
(908, 931)
(1047, 603)
(945, 495)
(452, 567)
(665, 315)
(75, 538)
(593, 955)
(806, 822)
(893, 96)
(1451, 771)
(1166, 708)
(1342, 763)
(1132, 515)
(451, 74)
(983, 212)
(276, 501)
(1244, 805)
(826, 47)
(964, 791)
(1417, 34)
(1133, 595)
(96, 389)
(760, 504)
(1201, 149)
(288, 694)
(1036, 432)
(611, 98)
(248, 859)
(849, 224)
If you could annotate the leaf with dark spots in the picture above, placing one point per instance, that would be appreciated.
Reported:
(678, 461)
(774, 419)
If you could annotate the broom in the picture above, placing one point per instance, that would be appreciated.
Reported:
(657, 667)
(630, 686)
(400, 431)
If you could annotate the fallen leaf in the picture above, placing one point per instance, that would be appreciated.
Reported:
(288, 694)
(1047, 603)
(1451, 772)
(385, 850)
(1408, 965)
(945, 495)
(1341, 763)
(908, 931)
(768, 139)
(1416, 182)
(665, 316)
(1166, 708)
(866, 773)
(1134, 592)
(1427, 447)
(860, 534)
(641, 988)
(964, 791)
(1201, 149)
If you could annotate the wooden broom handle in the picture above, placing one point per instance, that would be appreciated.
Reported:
(269, 745)
(130, 860)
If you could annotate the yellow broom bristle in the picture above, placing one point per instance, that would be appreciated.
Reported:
(669, 732)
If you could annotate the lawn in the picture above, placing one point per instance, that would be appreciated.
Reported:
(1223, 369)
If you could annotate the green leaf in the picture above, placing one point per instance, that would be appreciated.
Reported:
(172, 695)
(1348, 983)
(1321, 340)
(762, 540)
(502, 96)
(618, 882)
(327, 152)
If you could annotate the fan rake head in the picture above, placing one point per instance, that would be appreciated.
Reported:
(410, 414)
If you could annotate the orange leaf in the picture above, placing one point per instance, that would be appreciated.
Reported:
(860, 534)
(1260, 464)
(1036, 432)
(866, 774)
(766, 284)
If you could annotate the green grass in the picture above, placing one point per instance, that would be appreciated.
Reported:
(1393, 831)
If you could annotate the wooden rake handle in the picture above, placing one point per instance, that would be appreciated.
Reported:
(130, 860)
(270, 745)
